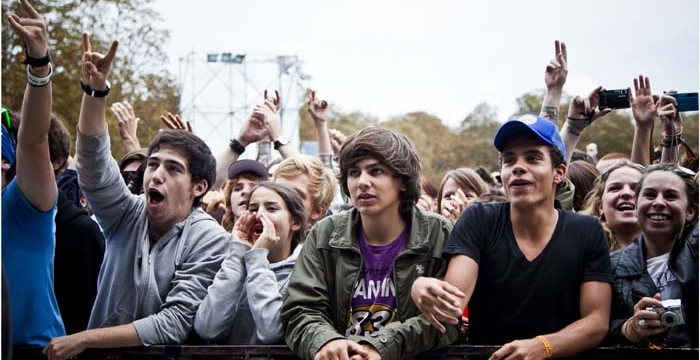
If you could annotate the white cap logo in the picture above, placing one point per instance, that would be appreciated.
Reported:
(528, 119)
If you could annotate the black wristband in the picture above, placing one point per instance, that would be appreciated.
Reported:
(92, 92)
(36, 62)
(236, 146)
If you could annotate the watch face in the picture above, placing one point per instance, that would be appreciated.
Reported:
(283, 140)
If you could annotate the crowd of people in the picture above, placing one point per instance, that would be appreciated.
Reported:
(351, 254)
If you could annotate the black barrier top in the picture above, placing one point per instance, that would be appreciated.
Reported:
(280, 352)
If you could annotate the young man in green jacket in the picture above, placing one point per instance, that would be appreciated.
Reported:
(349, 294)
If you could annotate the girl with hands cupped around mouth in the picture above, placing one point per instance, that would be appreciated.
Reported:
(242, 306)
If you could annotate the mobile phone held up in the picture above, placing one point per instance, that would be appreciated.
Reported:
(686, 101)
(614, 99)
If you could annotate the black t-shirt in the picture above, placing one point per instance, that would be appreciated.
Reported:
(518, 299)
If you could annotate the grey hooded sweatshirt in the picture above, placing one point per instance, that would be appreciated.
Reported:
(244, 302)
(158, 287)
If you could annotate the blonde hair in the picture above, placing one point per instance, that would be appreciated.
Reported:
(591, 204)
(321, 180)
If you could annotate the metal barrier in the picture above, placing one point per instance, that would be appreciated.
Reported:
(233, 352)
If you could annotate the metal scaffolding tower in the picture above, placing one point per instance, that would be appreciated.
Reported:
(219, 91)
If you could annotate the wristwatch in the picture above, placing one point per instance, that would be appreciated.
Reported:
(280, 141)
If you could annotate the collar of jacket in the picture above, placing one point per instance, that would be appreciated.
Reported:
(632, 260)
(344, 234)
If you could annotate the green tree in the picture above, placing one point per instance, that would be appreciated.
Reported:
(529, 103)
(434, 141)
(474, 146)
(138, 75)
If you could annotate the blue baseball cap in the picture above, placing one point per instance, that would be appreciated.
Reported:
(544, 129)
(9, 147)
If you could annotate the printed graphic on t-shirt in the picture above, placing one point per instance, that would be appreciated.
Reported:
(667, 284)
(365, 320)
(373, 303)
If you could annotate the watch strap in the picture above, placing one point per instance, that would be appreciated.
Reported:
(92, 92)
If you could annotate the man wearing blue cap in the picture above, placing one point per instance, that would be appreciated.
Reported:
(536, 278)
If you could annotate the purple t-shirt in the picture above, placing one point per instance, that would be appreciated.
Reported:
(373, 302)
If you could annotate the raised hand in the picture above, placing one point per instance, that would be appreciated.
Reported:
(32, 30)
(452, 208)
(128, 123)
(275, 100)
(252, 130)
(337, 140)
(268, 115)
(669, 115)
(583, 111)
(96, 66)
(174, 122)
(317, 108)
(557, 69)
(643, 105)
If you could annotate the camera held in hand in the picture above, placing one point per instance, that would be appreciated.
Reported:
(614, 99)
(670, 312)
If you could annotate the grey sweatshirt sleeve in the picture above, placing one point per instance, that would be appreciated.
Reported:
(200, 263)
(101, 182)
(214, 319)
(265, 296)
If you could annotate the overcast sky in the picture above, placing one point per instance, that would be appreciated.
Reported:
(387, 58)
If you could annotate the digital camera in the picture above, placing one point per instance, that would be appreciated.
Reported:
(614, 99)
(671, 312)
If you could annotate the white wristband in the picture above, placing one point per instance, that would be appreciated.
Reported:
(39, 81)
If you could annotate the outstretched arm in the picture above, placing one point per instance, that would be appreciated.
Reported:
(253, 130)
(554, 79)
(644, 113)
(672, 125)
(95, 70)
(35, 175)
(318, 110)
(128, 123)
(268, 113)
(582, 113)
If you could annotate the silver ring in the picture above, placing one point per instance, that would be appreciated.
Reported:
(642, 323)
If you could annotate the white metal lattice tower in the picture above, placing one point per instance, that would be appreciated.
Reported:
(219, 91)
